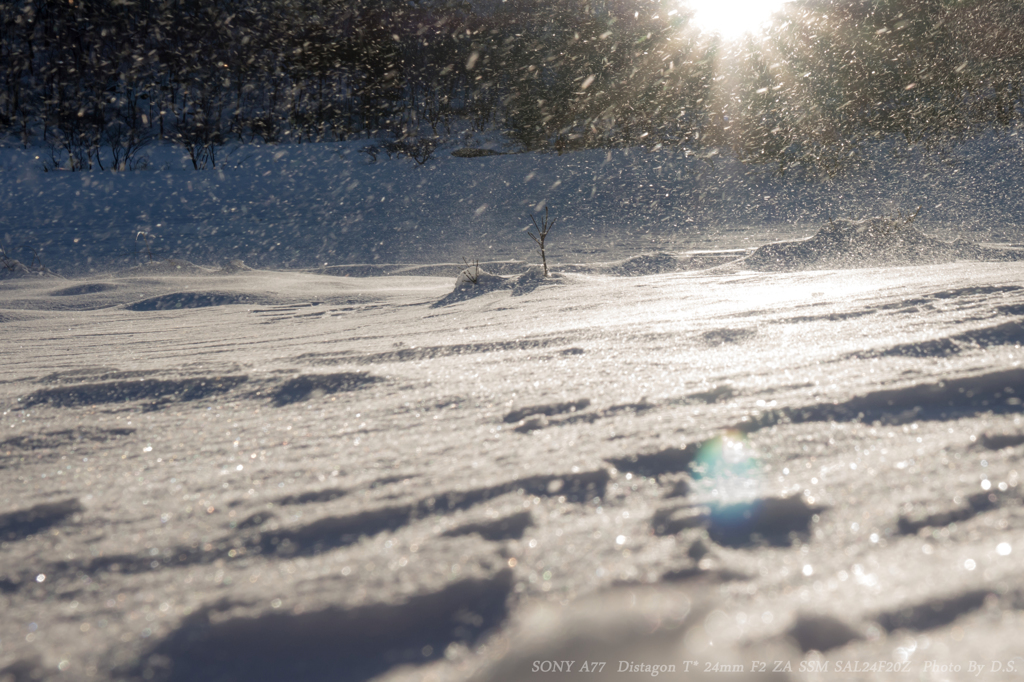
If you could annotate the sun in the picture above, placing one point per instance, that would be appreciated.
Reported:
(732, 18)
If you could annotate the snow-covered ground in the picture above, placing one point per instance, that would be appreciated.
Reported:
(302, 206)
(800, 462)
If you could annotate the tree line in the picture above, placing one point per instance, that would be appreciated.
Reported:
(94, 81)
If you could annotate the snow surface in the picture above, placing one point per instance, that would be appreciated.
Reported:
(303, 206)
(806, 453)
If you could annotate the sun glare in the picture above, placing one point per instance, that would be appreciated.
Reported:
(733, 18)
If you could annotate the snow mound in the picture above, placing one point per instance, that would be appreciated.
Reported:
(872, 242)
(472, 282)
(189, 299)
(475, 281)
(534, 277)
(649, 264)
(476, 278)
(84, 289)
(655, 263)
(235, 265)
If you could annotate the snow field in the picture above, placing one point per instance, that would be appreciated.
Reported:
(284, 475)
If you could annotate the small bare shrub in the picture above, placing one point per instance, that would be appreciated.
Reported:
(420, 149)
(6, 262)
(371, 151)
(542, 234)
(472, 272)
(144, 244)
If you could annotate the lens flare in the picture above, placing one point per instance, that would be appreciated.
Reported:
(728, 456)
